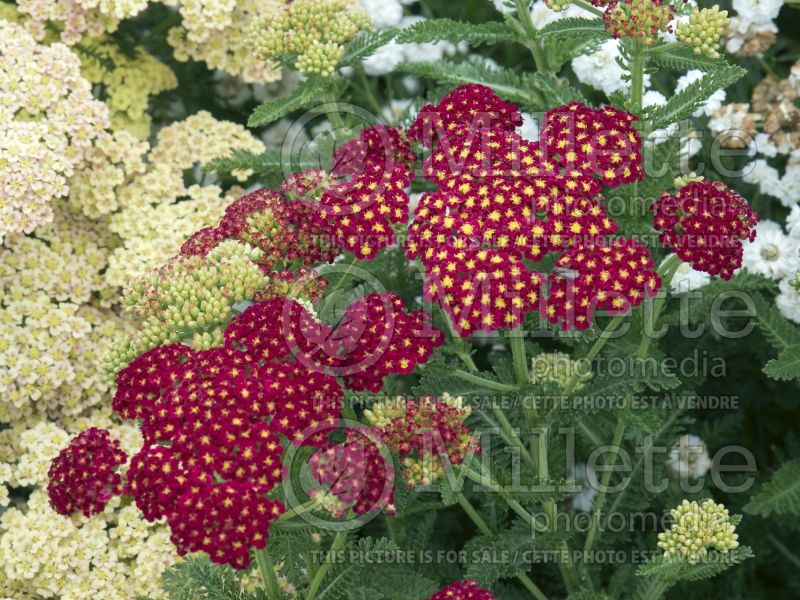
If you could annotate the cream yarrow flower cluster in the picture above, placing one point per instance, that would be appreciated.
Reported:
(226, 44)
(48, 123)
(128, 85)
(696, 528)
(160, 194)
(310, 34)
(704, 29)
(55, 321)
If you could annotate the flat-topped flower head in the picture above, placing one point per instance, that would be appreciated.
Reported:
(361, 211)
(614, 276)
(470, 106)
(355, 475)
(698, 527)
(377, 337)
(83, 477)
(224, 520)
(463, 590)
(705, 223)
(379, 145)
(598, 142)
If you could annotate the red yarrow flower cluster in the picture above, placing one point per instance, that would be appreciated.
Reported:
(213, 423)
(83, 477)
(379, 146)
(612, 276)
(463, 590)
(706, 223)
(376, 337)
(355, 475)
(504, 200)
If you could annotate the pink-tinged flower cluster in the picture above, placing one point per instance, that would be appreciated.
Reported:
(83, 477)
(376, 337)
(706, 223)
(503, 200)
(427, 434)
(354, 475)
(463, 590)
(612, 276)
(287, 231)
(641, 19)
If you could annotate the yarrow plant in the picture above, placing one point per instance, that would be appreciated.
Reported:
(473, 286)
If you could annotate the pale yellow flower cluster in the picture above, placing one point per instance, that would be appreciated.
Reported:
(116, 555)
(128, 82)
(157, 209)
(48, 124)
(51, 338)
(215, 32)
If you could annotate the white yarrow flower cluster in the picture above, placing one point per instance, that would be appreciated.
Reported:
(773, 253)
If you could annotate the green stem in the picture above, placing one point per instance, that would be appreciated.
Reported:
(487, 482)
(487, 531)
(486, 383)
(296, 512)
(334, 292)
(667, 271)
(604, 336)
(588, 7)
(338, 543)
(520, 358)
(524, 15)
(637, 77)
(365, 86)
(512, 436)
(267, 571)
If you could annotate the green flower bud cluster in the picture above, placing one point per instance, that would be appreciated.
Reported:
(382, 413)
(310, 32)
(697, 528)
(558, 368)
(557, 5)
(704, 30)
(422, 471)
(190, 298)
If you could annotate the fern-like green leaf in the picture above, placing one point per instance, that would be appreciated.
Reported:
(780, 495)
(576, 27)
(271, 166)
(779, 332)
(681, 57)
(366, 44)
(786, 366)
(197, 578)
(434, 30)
(507, 83)
(307, 95)
(674, 570)
(686, 102)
